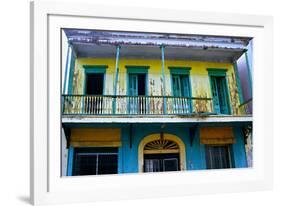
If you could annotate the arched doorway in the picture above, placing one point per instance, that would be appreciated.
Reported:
(158, 152)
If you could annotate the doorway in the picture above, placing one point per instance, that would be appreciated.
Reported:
(94, 83)
(137, 91)
(161, 152)
(220, 94)
(161, 162)
(94, 89)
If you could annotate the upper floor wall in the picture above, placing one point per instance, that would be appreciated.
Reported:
(199, 77)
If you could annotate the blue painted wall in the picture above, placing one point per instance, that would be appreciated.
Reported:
(238, 149)
(195, 153)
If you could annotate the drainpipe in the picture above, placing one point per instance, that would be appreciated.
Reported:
(163, 77)
(66, 72)
(116, 78)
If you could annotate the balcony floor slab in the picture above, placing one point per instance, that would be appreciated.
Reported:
(154, 119)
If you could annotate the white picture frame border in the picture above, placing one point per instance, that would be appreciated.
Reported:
(41, 193)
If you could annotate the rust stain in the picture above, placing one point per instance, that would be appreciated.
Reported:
(234, 96)
(201, 106)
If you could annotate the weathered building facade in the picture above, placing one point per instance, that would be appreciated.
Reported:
(142, 102)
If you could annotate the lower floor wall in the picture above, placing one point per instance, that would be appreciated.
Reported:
(130, 141)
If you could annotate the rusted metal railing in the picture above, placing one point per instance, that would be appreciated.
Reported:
(133, 105)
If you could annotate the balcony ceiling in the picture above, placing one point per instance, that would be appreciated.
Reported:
(150, 52)
(102, 44)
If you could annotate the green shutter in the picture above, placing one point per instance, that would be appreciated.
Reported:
(176, 85)
(219, 93)
(133, 91)
(223, 96)
(133, 85)
(185, 86)
(215, 95)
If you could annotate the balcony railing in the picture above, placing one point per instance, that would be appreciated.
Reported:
(247, 106)
(134, 105)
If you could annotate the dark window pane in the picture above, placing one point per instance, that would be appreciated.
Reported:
(107, 164)
(161, 162)
(141, 84)
(84, 164)
(152, 165)
(93, 161)
(170, 164)
(217, 157)
(94, 84)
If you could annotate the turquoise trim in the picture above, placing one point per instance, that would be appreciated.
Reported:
(71, 72)
(116, 69)
(137, 69)
(95, 68)
(238, 83)
(163, 77)
(70, 161)
(66, 70)
(180, 70)
(116, 78)
(217, 72)
(249, 73)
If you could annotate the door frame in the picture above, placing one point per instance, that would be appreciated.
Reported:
(131, 69)
(220, 72)
(94, 69)
(178, 70)
(166, 136)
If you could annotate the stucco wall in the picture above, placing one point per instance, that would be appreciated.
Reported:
(199, 79)
(128, 159)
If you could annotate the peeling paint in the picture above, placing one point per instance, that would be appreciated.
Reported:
(153, 39)
(199, 80)
(234, 95)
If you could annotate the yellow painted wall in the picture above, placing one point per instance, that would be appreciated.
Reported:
(199, 78)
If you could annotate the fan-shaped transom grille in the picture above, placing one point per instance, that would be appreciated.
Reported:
(161, 145)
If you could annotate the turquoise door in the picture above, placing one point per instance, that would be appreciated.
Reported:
(133, 94)
(176, 86)
(181, 89)
(219, 93)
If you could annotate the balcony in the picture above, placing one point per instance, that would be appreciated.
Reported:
(135, 105)
(247, 107)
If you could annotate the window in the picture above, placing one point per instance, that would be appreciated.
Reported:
(218, 157)
(161, 162)
(95, 161)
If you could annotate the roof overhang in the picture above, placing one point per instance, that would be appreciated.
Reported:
(102, 44)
